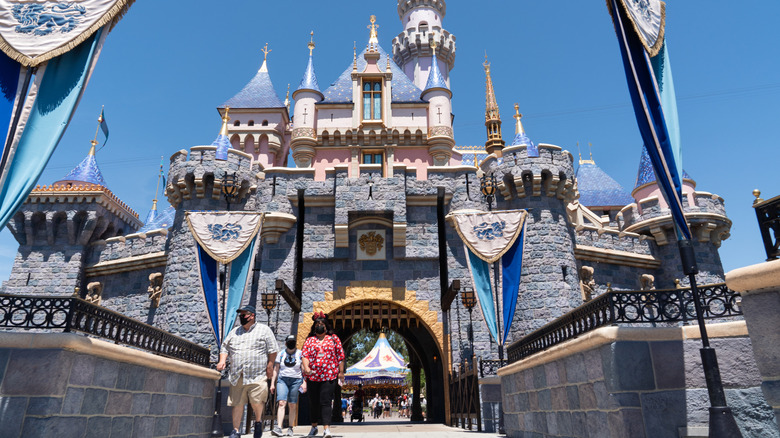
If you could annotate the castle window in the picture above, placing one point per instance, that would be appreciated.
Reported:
(237, 123)
(372, 157)
(265, 122)
(251, 123)
(372, 100)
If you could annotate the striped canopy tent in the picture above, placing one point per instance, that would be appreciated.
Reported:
(382, 367)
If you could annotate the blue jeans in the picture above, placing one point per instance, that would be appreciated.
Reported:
(287, 389)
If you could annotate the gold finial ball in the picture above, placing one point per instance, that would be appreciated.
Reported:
(756, 193)
(372, 19)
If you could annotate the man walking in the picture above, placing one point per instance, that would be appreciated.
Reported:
(251, 348)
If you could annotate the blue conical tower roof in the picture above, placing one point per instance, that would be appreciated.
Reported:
(222, 142)
(646, 174)
(258, 93)
(86, 172)
(163, 219)
(309, 80)
(597, 189)
(435, 78)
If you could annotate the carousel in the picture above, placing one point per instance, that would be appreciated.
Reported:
(382, 371)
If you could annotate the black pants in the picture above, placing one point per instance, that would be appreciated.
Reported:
(321, 400)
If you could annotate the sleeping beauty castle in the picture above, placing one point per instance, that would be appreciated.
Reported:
(363, 226)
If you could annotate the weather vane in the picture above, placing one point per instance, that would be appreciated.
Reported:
(266, 52)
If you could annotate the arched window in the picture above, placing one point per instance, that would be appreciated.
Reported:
(265, 122)
(251, 123)
(372, 100)
(237, 123)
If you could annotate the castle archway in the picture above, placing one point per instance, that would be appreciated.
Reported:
(377, 305)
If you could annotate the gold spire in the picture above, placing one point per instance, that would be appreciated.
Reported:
(154, 203)
(354, 55)
(494, 142)
(311, 42)
(265, 51)
(373, 37)
(94, 141)
(225, 120)
(518, 124)
(433, 44)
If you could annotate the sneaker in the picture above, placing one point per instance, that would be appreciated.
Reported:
(290, 432)
(277, 431)
(258, 430)
(327, 434)
(235, 434)
(313, 431)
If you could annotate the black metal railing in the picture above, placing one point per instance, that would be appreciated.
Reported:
(629, 307)
(490, 367)
(75, 314)
(768, 214)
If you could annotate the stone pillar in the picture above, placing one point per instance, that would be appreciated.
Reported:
(759, 286)
(414, 367)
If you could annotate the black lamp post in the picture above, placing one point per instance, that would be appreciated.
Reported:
(469, 300)
(487, 185)
(230, 188)
(230, 192)
(268, 301)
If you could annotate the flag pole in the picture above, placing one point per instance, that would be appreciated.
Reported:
(100, 120)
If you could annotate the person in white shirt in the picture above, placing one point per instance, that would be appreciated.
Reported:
(252, 349)
(287, 382)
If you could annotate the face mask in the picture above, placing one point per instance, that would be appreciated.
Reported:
(291, 345)
(320, 329)
(244, 319)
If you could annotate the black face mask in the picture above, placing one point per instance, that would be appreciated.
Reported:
(320, 329)
(244, 319)
(291, 345)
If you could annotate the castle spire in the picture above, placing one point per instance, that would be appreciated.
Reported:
(435, 78)
(494, 142)
(309, 80)
(222, 142)
(266, 51)
(373, 37)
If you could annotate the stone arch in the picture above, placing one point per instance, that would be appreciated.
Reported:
(377, 304)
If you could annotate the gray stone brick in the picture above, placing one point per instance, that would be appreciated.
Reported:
(83, 369)
(37, 372)
(119, 403)
(573, 397)
(12, 414)
(162, 426)
(65, 427)
(141, 404)
(575, 369)
(559, 399)
(587, 396)
(545, 400)
(98, 427)
(597, 425)
(626, 423)
(94, 402)
(106, 372)
(5, 353)
(155, 381)
(131, 377)
(668, 364)
(44, 406)
(628, 367)
(122, 427)
(73, 400)
(143, 427)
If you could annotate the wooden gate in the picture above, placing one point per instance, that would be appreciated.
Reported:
(464, 397)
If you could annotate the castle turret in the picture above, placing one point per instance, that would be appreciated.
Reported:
(412, 51)
(195, 181)
(650, 216)
(260, 120)
(304, 134)
(57, 226)
(440, 135)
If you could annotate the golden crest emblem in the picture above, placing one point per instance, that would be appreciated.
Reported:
(371, 242)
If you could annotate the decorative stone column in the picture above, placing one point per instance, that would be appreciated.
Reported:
(759, 286)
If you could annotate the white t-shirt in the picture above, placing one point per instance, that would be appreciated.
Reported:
(293, 371)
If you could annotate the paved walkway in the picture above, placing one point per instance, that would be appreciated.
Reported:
(392, 428)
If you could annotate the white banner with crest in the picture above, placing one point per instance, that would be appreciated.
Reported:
(489, 234)
(224, 235)
(33, 31)
(648, 18)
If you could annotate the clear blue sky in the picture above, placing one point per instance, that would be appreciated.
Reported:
(167, 66)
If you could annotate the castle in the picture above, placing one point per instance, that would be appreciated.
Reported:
(375, 154)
